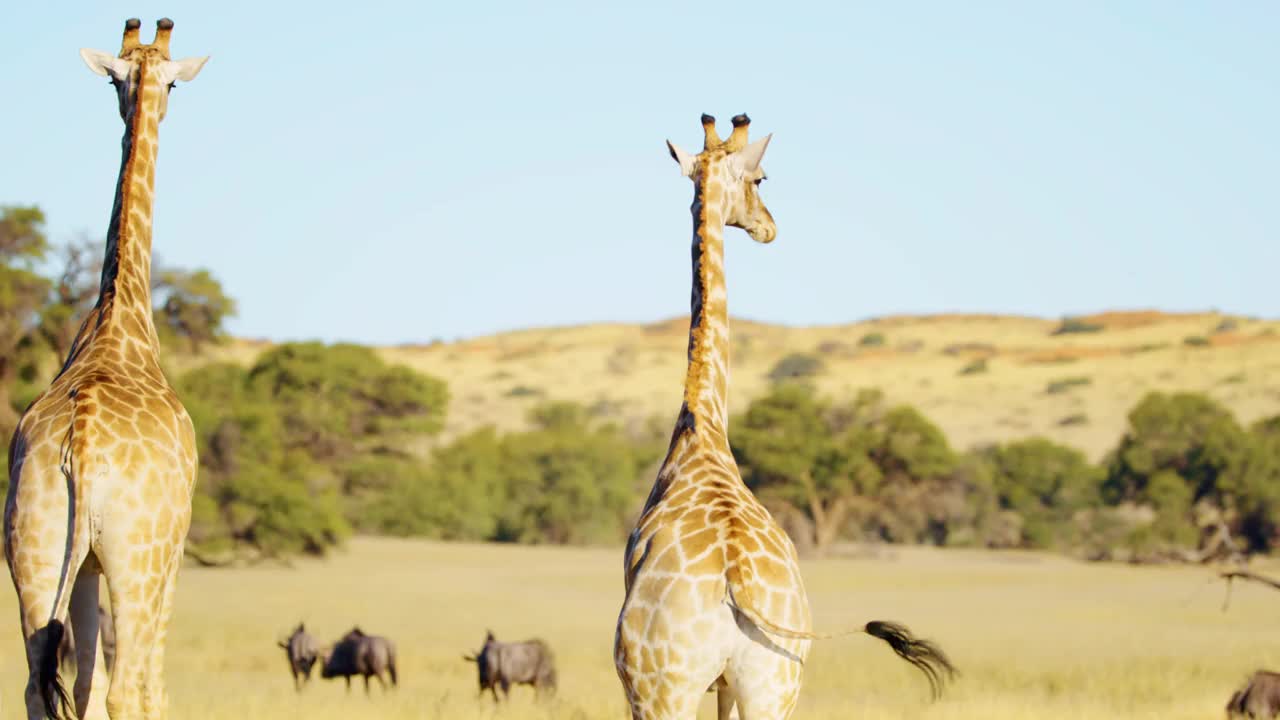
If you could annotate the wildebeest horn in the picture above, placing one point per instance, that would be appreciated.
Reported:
(469, 658)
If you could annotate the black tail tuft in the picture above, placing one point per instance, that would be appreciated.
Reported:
(56, 703)
(924, 654)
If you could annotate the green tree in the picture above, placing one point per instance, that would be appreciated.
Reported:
(339, 399)
(72, 295)
(796, 366)
(22, 292)
(787, 442)
(191, 307)
(1184, 450)
(888, 469)
(253, 491)
(299, 447)
(457, 496)
(566, 482)
(1045, 484)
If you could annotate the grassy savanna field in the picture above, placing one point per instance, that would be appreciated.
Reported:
(1034, 635)
(633, 373)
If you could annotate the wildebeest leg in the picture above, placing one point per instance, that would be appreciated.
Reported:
(494, 689)
(348, 679)
(506, 689)
(366, 684)
(381, 683)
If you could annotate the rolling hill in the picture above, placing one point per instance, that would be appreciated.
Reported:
(982, 378)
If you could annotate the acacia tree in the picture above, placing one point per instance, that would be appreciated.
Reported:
(191, 306)
(72, 294)
(291, 447)
(1184, 452)
(787, 444)
(1045, 484)
(889, 468)
(22, 292)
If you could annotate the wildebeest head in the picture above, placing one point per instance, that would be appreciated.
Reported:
(481, 659)
(300, 648)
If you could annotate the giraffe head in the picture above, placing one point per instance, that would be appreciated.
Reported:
(728, 172)
(140, 68)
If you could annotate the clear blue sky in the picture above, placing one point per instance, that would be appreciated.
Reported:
(397, 172)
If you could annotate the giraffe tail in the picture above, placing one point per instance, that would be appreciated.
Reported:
(925, 655)
(56, 703)
(49, 639)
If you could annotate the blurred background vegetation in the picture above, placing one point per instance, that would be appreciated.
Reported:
(311, 442)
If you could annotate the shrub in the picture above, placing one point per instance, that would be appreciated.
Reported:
(975, 367)
(1195, 341)
(1076, 325)
(872, 339)
(1064, 384)
(796, 366)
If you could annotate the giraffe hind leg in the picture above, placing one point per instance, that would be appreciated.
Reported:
(91, 676)
(156, 701)
(725, 703)
(43, 572)
(765, 681)
(140, 605)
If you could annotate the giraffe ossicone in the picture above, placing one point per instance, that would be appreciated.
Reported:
(714, 596)
(103, 463)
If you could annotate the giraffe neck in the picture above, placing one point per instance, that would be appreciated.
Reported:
(705, 410)
(124, 297)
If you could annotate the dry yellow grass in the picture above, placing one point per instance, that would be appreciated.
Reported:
(1036, 636)
(633, 373)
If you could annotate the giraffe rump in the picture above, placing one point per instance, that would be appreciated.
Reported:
(925, 655)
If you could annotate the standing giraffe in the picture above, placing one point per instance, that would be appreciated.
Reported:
(103, 464)
(714, 596)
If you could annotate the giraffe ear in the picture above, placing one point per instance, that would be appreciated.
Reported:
(750, 156)
(685, 159)
(104, 63)
(185, 69)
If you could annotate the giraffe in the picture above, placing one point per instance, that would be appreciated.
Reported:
(714, 597)
(103, 464)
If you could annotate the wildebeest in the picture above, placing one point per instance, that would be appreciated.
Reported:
(505, 664)
(1259, 698)
(360, 654)
(300, 650)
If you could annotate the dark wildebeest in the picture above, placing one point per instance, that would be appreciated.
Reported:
(300, 650)
(1259, 698)
(505, 664)
(360, 654)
